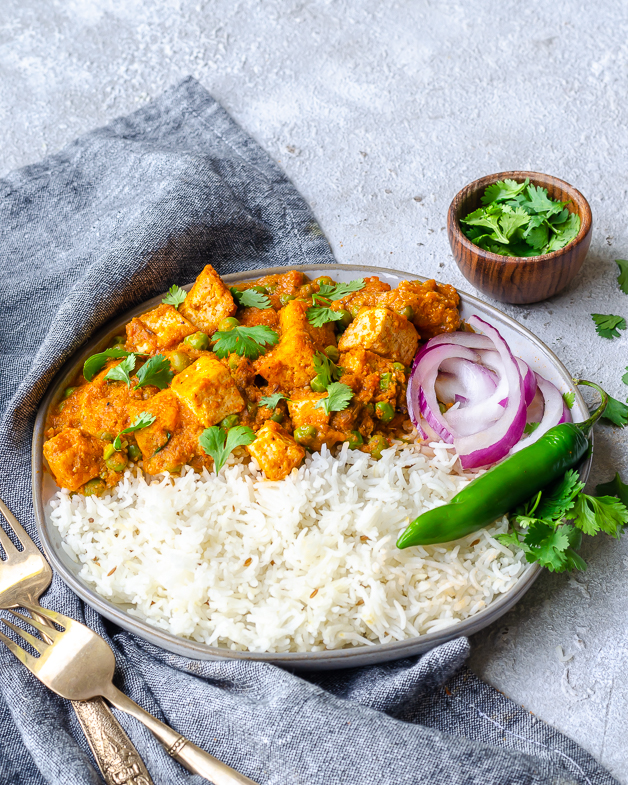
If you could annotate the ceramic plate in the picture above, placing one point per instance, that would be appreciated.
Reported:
(523, 344)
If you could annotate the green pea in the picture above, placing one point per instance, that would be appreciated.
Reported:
(108, 451)
(260, 289)
(284, 299)
(106, 436)
(198, 341)
(271, 288)
(376, 444)
(407, 311)
(355, 440)
(95, 487)
(305, 433)
(134, 452)
(324, 280)
(228, 324)
(117, 461)
(306, 290)
(384, 411)
(385, 380)
(370, 409)
(68, 391)
(176, 469)
(179, 361)
(355, 310)
(233, 361)
(347, 318)
(119, 340)
(318, 385)
(229, 421)
(251, 408)
(400, 367)
(61, 407)
(442, 407)
(278, 416)
(333, 353)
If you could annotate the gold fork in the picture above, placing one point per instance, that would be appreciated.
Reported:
(79, 665)
(24, 577)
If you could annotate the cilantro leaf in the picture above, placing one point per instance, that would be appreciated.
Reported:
(271, 401)
(622, 278)
(537, 233)
(547, 545)
(319, 315)
(122, 372)
(249, 342)
(220, 444)
(503, 190)
(570, 398)
(250, 298)
(614, 488)
(143, 420)
(531, 427)
(338, 397)
(326, 370)
(176, 295)
(564, 233)
(539, 202)
(155, 372)
(608, 325)
(511, 221)
(339, 290)
(558, 499)
(624, 378)
(599, 513)
(97, 362)
(616, 412)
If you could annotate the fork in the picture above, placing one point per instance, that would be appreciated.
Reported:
(79, 665)
(24, 577)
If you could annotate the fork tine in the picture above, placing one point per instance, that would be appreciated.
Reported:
(57, 618)
(6, 543)
(17, 527)
(19, 652)
(36, 643)
(50, 632)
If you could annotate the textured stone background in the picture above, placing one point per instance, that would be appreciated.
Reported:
(380, 113)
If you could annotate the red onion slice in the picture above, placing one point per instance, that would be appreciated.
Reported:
(554, 412)
(495, 442)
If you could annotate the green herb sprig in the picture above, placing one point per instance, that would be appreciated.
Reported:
(608, 325)
(219, 444)
(271, 401)
(97, 362)
(339, 396)
(143, 420)
(249, 342)
(520, 219)
(250, 298)
(175, 297)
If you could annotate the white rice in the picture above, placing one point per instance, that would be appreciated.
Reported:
(305, 564)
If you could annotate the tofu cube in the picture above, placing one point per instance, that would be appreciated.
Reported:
(276, 451)
(383, 332)
(165, 408)
(303, 411)
(162, 328)
(208, 302)
(293, 318)
(207, 388)
(74, 458)
(290, 364)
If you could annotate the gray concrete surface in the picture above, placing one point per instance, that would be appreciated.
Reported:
(380, 112)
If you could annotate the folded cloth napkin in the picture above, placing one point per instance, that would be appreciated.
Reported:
(112, 220)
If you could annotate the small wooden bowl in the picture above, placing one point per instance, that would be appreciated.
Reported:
(513, 279)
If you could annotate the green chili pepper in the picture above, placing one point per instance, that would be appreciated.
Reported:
(506, 485)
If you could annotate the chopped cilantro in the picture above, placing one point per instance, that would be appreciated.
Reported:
(570, 398)
(271, 401)
(622, 278)
(616, 412)
(143, 420)
(520, 219)
(339, 290)
(608, 325)
(250, 298)
(338, 397)
(219, 444)
(326, 370)
(122, 372)
(249, 342)
(531, 427)
(176, 295)
(614, 488)
(97, 362)
(318, 315)
(155, 372)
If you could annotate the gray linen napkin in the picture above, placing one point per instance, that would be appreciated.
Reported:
(109, 222)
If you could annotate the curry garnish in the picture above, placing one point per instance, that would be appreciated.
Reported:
(250, 342)
(122, 372)
(271, 401)
(176, 295)
(326, 370)
(97, 362)
(155, 372)
(339, 290)
(143, 420)
(318, 315)
(338, 398)
(219, 444)
(250, 298)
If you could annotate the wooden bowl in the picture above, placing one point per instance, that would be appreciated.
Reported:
(514, 279)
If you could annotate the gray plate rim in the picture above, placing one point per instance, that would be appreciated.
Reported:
(317, 660)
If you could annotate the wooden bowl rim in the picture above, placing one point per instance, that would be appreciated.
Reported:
(537, 178)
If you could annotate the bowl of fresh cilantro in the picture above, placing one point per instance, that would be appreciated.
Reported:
(519, 237)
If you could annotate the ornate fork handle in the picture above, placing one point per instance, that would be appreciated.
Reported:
(117, 758)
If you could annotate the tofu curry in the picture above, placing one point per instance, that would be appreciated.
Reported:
(283, 363)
